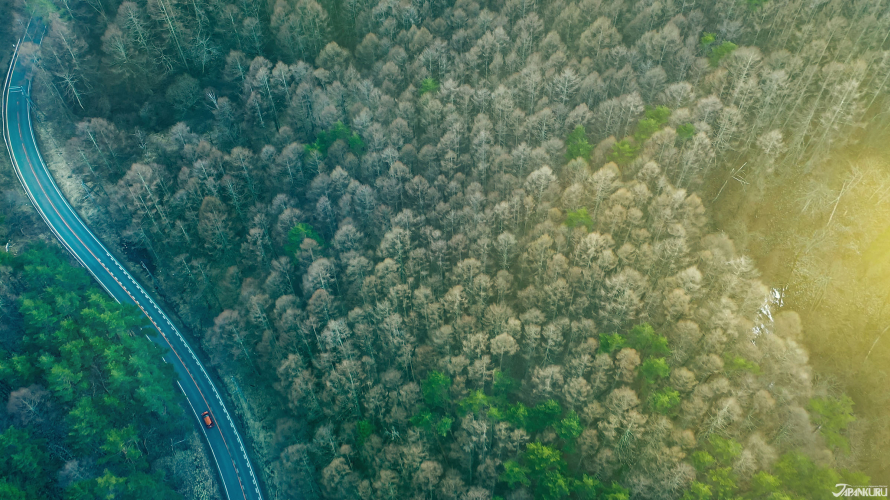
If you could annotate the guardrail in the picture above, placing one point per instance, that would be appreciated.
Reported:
(7, 138)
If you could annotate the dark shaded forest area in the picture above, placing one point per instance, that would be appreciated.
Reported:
(462, 250)
(90, 411)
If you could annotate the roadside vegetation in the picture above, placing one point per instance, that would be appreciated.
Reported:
(91, 411)
(465, 250)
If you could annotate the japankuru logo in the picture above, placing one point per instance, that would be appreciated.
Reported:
(848, 490)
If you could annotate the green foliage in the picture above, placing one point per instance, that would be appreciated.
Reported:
(474, 402)
(610, 342)
(429, 85)
(436, 389)
(577, 145)
(297, 234)
(724, 449)
(833, 415)
(643, 338)
(706, 40)
(503, 384)
(423, 419)
(543, 415)
(660, 114)
(136, 486)
(514, 473)
(702, 460)
(801, 476)
(542, 458)
(23, 461)
(616, 492)
(781, 496)
(721, 51)
(686, 131)
(579, 217)
(764, 484)
(724, 482)
(755, 4)
(443, 426)
(645, 129)
(112, 397)
(665, 401)
(653, 369)
(623, 152)
(547, 471)
(734, 364)
(325, 139)
(588, 488)
(9, 491)
(569, 428)
(518, 415)
(654, 119)
(698, 491)
(364, 429)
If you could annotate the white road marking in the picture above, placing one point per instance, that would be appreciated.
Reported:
(97, 243)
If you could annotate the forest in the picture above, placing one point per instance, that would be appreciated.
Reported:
(476, 249)
(90, 412)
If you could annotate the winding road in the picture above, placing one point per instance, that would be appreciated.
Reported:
(236, 474)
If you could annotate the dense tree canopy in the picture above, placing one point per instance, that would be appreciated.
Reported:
(462, 250)
(91, 409)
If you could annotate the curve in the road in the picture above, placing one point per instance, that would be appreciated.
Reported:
(111, 275)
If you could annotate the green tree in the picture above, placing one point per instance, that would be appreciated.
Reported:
(443, 426)
(755, 4)
(697, 491)
(645, 129)
(298, 233)
(724, 482)
(436, 389)
(547, 471)
(588, 488)
(660, 114)
(503, 384)
(686, 131)
(579, 217)
(733, 364)
(721, 51)
(577, 145)
(616, 492)
(832, 416)
(515, 473)
(325, 139)
(623, 152)
(543, 415)
(9, 491)
(518, 415)
(24, 461)
(429, 85)
(724, 449)
(654, 369)
(610, 342)
(764, 484)
(568, 429)
(706, 40)
(702, 460)
(803, 477)
(364, 429)
(665, 401)
(643, 338)
(474, 401)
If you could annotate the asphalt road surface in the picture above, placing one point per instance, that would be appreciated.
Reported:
(235, 471)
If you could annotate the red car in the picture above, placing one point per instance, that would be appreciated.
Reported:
(208, 422)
